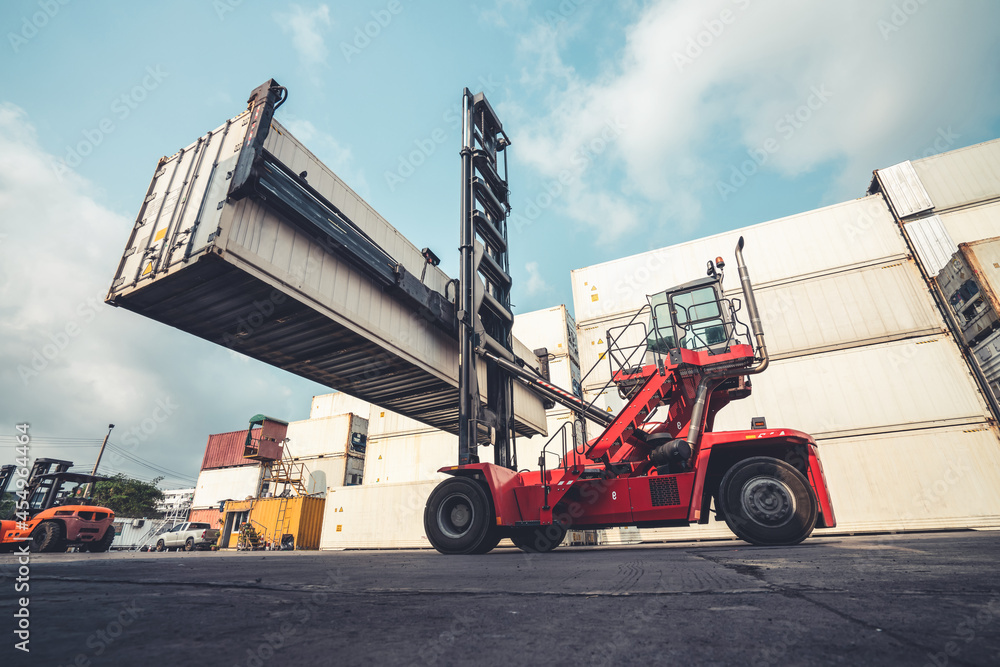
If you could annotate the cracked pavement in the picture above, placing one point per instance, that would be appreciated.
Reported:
(912, 599)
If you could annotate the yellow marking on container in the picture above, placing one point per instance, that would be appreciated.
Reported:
(593, 297)
(339, 528)
(160, 234)
(148, 269)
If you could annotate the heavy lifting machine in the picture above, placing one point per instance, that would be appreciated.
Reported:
(641, 470)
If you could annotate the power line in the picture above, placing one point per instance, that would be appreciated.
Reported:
(155, 467)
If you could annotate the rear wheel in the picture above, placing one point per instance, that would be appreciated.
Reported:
(539, 539)
(48, 537)
(102, 544)
(458, 517)
(767, 502)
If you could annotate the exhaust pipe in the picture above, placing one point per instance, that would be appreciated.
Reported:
(710, 380)
(755, 326)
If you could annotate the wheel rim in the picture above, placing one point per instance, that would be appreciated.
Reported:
(768, 501)
(456, 515)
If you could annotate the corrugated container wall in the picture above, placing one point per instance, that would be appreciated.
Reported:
(357, 516)
(209, 515)
(301, 517)
(851, 235)
(225, 484)
(240, 275)
(225, 450)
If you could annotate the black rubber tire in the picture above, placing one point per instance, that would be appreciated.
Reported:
(767, 502)
(493, 538)
(103, 544)
(160, 546)
(458, 517)
(539, 539)
(189, 544)
(48, 537)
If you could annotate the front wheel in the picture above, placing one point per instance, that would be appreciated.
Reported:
(458, 517)
(767, 502)
(48, 537)
(103, 544)
(160, 546)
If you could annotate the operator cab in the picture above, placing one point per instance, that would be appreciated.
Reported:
(695, 316)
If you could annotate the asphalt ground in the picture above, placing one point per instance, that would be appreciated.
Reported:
(915, 599)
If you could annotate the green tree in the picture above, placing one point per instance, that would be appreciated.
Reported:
(128, 497)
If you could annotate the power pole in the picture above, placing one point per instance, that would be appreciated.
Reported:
(99, 455)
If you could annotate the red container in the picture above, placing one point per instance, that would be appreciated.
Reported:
(225, 450)
(213, 517)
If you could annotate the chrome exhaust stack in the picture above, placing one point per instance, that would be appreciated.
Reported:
(754, 315)
(711, 379)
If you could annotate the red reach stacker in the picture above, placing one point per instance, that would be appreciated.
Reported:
(658, 462)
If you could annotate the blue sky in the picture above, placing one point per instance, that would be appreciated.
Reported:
(650, 111)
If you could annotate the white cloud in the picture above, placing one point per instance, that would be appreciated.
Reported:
(695, 80)
(306, 28)
(536, 283)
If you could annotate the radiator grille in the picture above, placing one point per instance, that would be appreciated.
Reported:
(663, 491)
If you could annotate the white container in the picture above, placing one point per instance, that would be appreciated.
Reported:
(909, 480)
(324, 436)
(237, 274)
(135, 533)
(551, 328)
(931, 242)
(225, 484)
(908, 384)
(960, 177)
(413, 457)
(385, 516)
(848, 235)
(965, 225)
(880, 303)
(338, 403)
(324, 473)
(915, 383)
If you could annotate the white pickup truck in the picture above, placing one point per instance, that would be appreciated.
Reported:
(187, 536)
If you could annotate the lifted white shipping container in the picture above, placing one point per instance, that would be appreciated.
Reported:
(239, 274)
